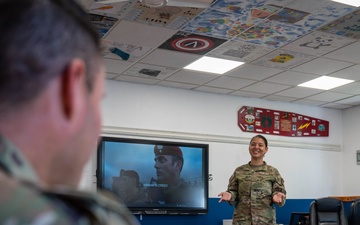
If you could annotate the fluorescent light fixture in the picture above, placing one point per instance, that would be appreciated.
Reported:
(325, 83)
(355, 3)
(213, 65)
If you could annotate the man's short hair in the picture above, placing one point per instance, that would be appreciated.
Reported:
(38, 40)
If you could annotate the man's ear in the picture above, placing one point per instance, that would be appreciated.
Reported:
(179, 164)
(73, 88)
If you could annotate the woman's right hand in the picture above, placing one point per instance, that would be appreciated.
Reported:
(224, 196)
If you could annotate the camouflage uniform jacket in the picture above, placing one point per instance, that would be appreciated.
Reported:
(23, 202)
(252, 189)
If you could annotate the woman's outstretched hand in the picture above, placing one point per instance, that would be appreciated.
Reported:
(224, 196)
(278, 198)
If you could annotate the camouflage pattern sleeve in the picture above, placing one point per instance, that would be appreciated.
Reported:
(22, 201)
(233, 189)
(278, 186)
(102, 208)
(21, 205)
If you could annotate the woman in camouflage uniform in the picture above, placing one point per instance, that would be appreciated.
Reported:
(254, 188)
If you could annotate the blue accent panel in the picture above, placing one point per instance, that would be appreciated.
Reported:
(292, 205)
(220, 211)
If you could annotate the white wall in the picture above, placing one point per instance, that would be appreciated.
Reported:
(309, 171)
(351, 143)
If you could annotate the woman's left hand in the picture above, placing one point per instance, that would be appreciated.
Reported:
(278, 198)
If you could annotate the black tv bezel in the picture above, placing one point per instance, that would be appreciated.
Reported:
(151, 210)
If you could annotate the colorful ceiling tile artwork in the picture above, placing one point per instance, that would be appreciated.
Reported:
(102, 23)
(268, 33)
(267, 23)
(167, 16)
(191, 43)
(274, 38)
(347, 26)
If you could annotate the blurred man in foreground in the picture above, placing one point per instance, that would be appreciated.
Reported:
(51, 85)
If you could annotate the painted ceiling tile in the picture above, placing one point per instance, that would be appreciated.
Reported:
(239, 51)
(318, 43)
(215, 24)
(113, 10)
(347, 26)
(102, 23)
(262, 20)
(149, 71)
(269, 33)
(126, 52)
(167, 16)
(323, 8)
(191, 43)
(283, 59)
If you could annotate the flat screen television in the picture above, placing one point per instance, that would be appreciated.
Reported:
(155, 177)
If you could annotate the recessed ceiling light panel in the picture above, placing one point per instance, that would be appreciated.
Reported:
(325, 83)
(213, 65)
(355, 3)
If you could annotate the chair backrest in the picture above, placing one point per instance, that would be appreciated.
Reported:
(327, 211)
(354, 214)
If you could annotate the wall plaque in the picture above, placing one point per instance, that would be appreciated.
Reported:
(283, 123)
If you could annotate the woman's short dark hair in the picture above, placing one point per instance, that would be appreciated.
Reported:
(262, 137)
(38, 40)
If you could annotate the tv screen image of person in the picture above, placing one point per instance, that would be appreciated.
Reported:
(155, 177)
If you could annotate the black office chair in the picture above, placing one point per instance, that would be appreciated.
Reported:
(354, 214)
(327, 211)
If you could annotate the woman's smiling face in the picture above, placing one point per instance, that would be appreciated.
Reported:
(257, 148)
